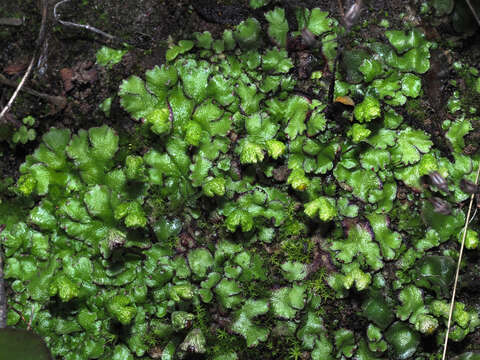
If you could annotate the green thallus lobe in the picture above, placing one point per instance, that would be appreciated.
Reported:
(224, 118)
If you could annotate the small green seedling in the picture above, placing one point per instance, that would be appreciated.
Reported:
(108, 57)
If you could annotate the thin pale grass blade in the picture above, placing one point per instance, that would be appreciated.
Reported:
(473, 11)
(452, 302)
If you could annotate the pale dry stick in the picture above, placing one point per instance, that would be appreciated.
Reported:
(473, 216)
(17, 90)
(81, 26)
(3, 298)
(111, 38)
(473, 11)
(41, 37)
(452, 302)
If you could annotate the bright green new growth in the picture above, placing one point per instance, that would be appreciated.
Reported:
(108, 57)
(179, 247)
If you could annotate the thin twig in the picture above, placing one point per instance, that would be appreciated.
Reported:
(81, 26)
(17, 90)
(452, 302)
(473, 216)
(473, 11)
(59, 101)
(111, 38)
(38, 45)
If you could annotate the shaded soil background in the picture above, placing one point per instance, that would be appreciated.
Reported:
(67, 65)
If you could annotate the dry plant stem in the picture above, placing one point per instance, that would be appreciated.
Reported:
(17, 90)
(473, 216)
(86, 27)
(58, 101)
(38, 45)
(3, 298)
(473, 11)
(452, 302)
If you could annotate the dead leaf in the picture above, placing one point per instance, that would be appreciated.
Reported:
(345, 100)
(67, 76)
(15, 68)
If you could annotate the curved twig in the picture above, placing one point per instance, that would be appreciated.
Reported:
(39, 43)
(473, 11)
(452, 302)
(81, 26)
(111, 38)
